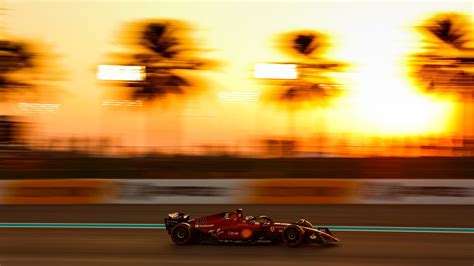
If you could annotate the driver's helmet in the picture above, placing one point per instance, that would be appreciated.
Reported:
(305, 223)
(240, 213)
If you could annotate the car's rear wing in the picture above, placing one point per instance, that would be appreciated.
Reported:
(175, 218)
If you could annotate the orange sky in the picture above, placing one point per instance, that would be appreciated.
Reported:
(372, 37)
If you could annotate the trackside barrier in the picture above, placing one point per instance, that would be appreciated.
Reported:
(58, 191)
(301, 191)
(362, 191)
(182, 191)
(416, 191)
(238, 191)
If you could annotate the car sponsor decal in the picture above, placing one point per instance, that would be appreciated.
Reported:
(203, 225)
(246, 233)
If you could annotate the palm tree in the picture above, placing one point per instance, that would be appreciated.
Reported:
(449, 29)
(14, 57)
(162, 47)
(448, 52)
(314, 86)
(445, 65)
(24, 65)
(166, 52)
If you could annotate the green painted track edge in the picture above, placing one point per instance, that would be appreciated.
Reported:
(162, 226)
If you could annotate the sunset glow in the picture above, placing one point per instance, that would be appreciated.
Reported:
(374, 40)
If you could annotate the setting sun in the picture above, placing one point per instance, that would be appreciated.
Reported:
(383, 105)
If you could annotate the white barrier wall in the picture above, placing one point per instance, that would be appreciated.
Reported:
(416, 191)
(177, 191)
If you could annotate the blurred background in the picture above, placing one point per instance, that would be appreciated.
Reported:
(238, 90)
(325, 81)
(160, 78)
(153, 79)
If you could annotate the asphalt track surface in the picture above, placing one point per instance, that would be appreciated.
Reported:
(41, 246)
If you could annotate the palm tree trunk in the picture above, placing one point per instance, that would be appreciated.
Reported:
(291, 124)
(469, 124)
(290, 150)
(149, 129)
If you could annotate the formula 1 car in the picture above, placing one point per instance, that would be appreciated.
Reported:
(232, 228)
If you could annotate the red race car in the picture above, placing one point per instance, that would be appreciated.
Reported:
(232, 227)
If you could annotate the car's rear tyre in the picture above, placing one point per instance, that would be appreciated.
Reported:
(181, 234)
(293, 235)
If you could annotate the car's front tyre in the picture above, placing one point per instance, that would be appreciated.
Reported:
(292, 235)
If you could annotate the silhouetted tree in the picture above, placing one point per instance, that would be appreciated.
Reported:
(164, 48)
(25, 72)
(314, 85)
(27, 67)
(14, 57)
(446, 62)
(449, 29)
